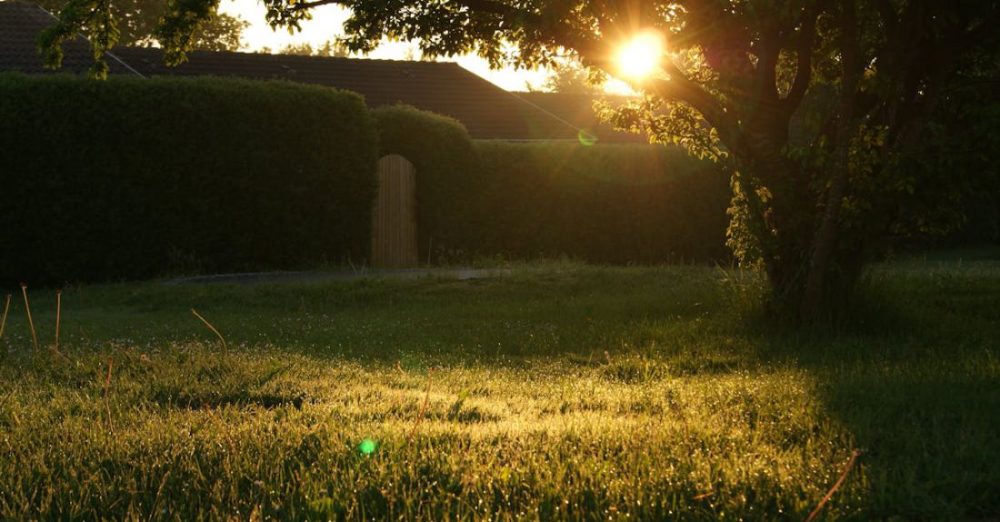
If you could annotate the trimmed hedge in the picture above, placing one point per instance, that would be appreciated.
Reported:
(447, 170)
(133, 178)
(602, 203)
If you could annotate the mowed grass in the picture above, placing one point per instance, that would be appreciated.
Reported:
(554, 391)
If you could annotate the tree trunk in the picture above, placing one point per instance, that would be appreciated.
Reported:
(825, 241)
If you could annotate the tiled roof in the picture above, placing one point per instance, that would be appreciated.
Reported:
(20, 24)
(578, 111)
(487, 111)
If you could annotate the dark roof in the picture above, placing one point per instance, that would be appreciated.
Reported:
(487, 111)
(578, 111)
(20, 25)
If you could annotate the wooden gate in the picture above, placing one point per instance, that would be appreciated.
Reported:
(394, 216)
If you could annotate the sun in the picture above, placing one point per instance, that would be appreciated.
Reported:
(640, 56)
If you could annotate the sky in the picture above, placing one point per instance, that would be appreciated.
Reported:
(327, 23)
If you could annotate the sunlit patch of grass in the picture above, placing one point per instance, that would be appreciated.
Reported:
(556, 391)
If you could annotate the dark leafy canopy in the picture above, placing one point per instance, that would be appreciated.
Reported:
(815, 104)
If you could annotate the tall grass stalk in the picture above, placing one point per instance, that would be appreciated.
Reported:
(58, 315)
(423, 408)
(107, 390)
(31, 322)
(212, 328)
(3, 321)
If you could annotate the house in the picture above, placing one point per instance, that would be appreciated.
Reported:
(487, 111)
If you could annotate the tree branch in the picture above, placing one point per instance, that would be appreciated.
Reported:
(767, 63)
(316, 3)
(680, 87)
(803, 70)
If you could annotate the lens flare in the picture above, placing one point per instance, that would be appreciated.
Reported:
(640, 56)
(367, 447)
(586, 139)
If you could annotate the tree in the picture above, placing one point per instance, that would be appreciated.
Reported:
(328, 49)
(134, 23)
(568, 77)
(956, 158)
(815, 104)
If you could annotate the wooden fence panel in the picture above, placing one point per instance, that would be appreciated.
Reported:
(394, 216)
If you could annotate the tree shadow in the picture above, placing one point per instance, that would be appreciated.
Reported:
(916, 381)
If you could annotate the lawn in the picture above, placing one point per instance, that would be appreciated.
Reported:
(553, 390)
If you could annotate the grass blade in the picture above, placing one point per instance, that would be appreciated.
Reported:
(212, 328)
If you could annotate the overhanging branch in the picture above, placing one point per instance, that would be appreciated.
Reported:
(680, 87)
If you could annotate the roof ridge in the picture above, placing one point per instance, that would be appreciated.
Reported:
(525, 101)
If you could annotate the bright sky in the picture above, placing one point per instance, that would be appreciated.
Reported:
(327, 23)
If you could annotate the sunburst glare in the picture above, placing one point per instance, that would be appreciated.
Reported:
(640, 56)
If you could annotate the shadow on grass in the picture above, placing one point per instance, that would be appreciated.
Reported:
(915, 377)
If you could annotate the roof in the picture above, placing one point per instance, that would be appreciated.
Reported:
(487, 111)
(20, 24)
(578, 111)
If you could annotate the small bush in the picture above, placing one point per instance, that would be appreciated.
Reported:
(132, 178)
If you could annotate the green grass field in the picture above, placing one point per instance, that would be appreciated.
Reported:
(557, 391)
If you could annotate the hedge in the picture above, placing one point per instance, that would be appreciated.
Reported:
(132, 178)
(447, 170)
(603, 203)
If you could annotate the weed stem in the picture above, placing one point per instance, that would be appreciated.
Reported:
(829, 494)
(27, 308)
(3, 321)
(212, 328)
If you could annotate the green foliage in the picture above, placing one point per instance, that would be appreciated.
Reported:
(570, 77)
(603, 203)
(329, 48)
(136, 21)
(178, 24)
(666, 122)
(447, 172)
(132, 178)
(957, 188)
(74, 17)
